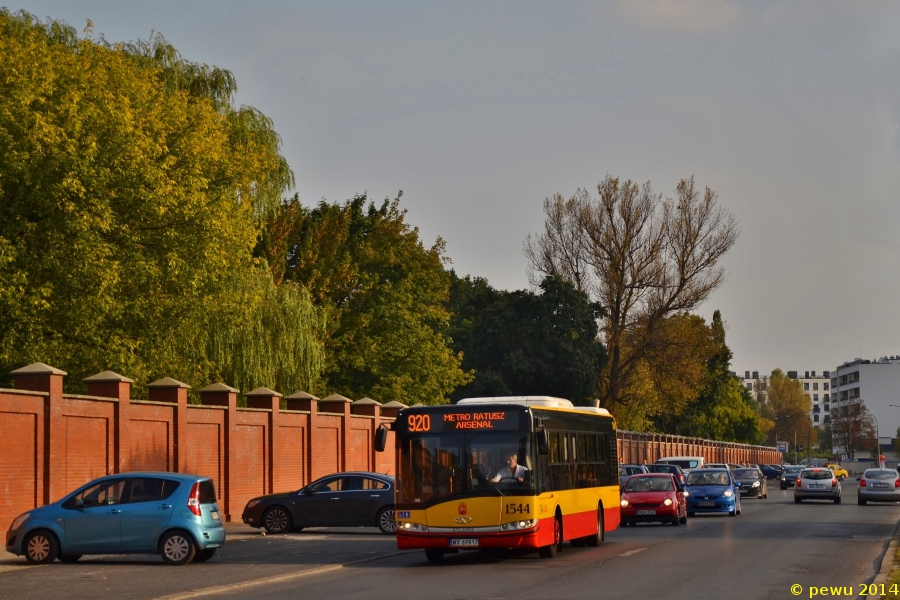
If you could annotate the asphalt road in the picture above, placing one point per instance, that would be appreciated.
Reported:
(759, 554)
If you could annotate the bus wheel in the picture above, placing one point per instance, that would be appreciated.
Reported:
(551, 550)
(596, 540)
(434, 555)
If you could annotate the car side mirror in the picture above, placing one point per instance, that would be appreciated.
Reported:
(737, 484)
(543, 440)
(79, 503)
(307, 491)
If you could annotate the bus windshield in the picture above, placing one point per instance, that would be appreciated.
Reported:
(437, 467)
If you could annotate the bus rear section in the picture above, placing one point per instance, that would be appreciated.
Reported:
(484, 476)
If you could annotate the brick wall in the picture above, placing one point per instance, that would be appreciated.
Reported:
(54, 442)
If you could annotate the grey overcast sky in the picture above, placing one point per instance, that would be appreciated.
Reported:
(479, 110)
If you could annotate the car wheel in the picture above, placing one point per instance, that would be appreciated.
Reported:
(733, 513)
(837, 500)
(434, 555)
(796, 500)
(205, 555)
(41, 548)
(177, 548)
(842, 477)
(861, 502)
(277, 520)
(70, 558)
(684, 520)
(784, 487)
(676, 521)
(385, 521)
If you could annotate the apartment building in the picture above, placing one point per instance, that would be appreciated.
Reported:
(816, 385)
(875, 383)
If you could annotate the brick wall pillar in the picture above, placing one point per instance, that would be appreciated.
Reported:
(338, 404)
(175, 392)
(367, 406)
(39, 377)
(112, 385)
(219, 394)
(303, 401)
(263, 397)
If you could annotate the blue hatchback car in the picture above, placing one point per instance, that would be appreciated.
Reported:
(170, 514)
(712, 491)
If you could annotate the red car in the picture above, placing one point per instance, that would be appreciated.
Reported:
(653, 497)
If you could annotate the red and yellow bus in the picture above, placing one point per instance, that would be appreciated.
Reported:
(518, 472)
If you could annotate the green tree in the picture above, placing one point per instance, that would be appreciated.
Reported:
(521, 343)
(131, 195)
(383, 291)
(788, 407)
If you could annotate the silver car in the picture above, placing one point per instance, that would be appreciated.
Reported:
(817, 484)
(879, 485)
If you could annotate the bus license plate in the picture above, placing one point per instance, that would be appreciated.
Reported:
(465, 543)
(646, 512)
(706, 504)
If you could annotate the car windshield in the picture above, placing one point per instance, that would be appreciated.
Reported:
(661, 468)
(746, 474)
(707, 478)
(880, 474)
(816, 474)
(684, 464)
(436, 467)
(633, 470)
(649, 484)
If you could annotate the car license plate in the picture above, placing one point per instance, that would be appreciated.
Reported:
(215, 516)
(646, 512)
(879, 485)
(816, 487)
(706, 504)
(465, 542)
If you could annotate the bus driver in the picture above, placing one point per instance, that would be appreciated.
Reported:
(512, 470)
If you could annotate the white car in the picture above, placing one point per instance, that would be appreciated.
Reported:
(687, 463)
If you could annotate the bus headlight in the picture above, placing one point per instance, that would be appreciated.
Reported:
(518, 525)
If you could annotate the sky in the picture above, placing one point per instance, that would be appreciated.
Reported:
(480, 110)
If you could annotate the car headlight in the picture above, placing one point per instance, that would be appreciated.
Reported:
(19, 520)
(755, 484)
(624, 503)
(252, 503)
(784, 478)
(667, 502)
(727, 494)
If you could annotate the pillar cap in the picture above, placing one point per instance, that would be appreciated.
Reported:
(107, 376)
(219, 387)
(263, 391)
(168, 382)
(336, 398)
(394, 404)
(366, 402)
(38, 368)
(301, 396)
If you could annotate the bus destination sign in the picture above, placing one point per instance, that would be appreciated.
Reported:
(497, 420)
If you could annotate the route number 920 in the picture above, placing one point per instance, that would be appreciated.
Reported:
(518, 508)
(419, 422)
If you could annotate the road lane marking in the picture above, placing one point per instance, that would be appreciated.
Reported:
(630, 552)
(242, 585)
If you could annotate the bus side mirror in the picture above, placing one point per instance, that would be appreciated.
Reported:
(381, 437)
(543, 440)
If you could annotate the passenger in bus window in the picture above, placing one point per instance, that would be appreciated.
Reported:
(512, 470)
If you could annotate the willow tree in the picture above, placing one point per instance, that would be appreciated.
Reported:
(642, 257)
(132, 190)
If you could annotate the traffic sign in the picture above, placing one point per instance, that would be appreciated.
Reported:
(782, 446)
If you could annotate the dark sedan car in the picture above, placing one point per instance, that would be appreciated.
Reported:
(666, 468)
(770, 471)
(753, 482)
(789, 477)
(351, 499)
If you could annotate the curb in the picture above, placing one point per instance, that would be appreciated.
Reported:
(887, 560)
(243, 585)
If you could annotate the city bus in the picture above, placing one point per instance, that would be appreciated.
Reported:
(508, 472)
